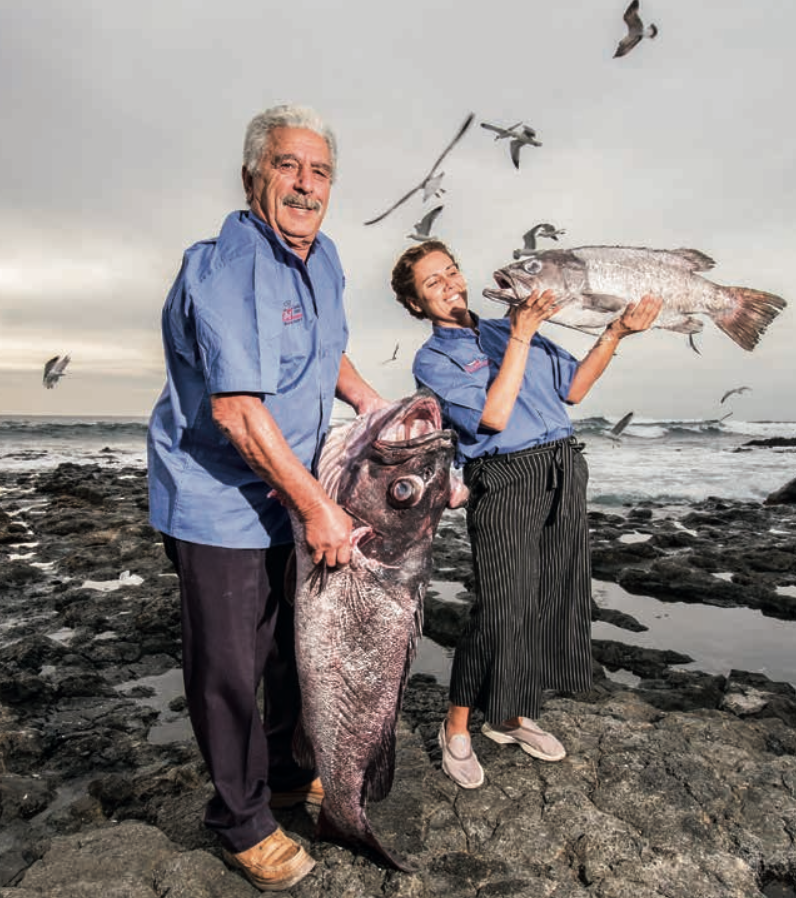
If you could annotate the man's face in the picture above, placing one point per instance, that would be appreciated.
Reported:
(290, 189)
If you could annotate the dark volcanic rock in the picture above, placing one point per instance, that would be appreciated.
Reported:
(684, 786)
(785, 495)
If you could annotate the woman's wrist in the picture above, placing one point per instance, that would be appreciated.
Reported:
(520, 340)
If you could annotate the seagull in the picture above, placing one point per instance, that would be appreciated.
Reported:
(529, 238)
(430, 185)
(394, 355)
(620, 425)
(635, 30)
(736, 390)
(423, 227)
(525, 136)
(54, 370)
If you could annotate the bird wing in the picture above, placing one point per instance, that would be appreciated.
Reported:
(622, 424)
(495, 128)
(48, 365)
(60, 366)
(631, 17)
(403, 199)
(424, 225)
(459, 134)
(514, 148)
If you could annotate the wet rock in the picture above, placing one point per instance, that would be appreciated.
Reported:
(684, 786)
(785, 495)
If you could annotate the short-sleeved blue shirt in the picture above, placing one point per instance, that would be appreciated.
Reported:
(459, 366)
(245, 315)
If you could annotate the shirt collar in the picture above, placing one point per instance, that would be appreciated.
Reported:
(273, 238)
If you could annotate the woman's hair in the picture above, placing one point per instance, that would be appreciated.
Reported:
(403, 273)
(285, 116)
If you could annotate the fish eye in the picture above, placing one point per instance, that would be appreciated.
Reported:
(532, 266)
(405, 491)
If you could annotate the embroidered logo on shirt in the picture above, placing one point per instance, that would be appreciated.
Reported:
(476, 364)
(291, 313)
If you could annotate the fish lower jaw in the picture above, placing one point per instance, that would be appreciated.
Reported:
(505, 296)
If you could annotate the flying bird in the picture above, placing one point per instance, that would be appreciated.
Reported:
(545, 229)
(635, 30)
(620, 425)
(430, 185)
(525, 136)
(54, 370)
(736, 390)
(423, 227)
(394, 355)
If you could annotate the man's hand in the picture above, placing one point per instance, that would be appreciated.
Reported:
(327, 532)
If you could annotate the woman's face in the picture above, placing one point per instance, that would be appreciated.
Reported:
(441, 290)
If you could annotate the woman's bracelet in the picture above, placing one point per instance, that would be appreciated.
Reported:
(524, 342)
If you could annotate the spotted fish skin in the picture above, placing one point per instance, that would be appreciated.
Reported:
(357, 626)
(594, 284)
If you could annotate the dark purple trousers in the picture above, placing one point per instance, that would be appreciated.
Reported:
(237, 631)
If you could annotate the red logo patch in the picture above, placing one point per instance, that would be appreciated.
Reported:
(476, 365)
(291, 314)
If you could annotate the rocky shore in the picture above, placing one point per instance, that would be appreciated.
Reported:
(683, 786)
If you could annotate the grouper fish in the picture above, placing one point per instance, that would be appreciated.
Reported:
(594, 284)
(357, 625)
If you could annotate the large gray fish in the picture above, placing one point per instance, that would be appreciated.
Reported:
(357, 625)
(595, 283)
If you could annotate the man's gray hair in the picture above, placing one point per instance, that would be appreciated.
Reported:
(284, 116)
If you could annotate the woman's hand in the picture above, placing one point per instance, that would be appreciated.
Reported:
(526, 318)
(637, 317)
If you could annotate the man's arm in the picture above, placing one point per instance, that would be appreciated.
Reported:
(636, 317)
(355, 391)
(250, 427)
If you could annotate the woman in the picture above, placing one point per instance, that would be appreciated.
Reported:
(504, 388)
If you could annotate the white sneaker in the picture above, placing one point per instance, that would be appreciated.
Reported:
(530, 737)
(459, 760)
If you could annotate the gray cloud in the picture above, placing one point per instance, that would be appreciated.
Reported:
(123, 127)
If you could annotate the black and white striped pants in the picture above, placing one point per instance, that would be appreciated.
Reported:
(530, 625)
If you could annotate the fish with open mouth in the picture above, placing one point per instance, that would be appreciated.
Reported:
(594, 284)
(357, 625)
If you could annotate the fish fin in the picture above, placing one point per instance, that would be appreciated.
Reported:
(603, 302)
(303, 751)
(380, 770)
(692, 259)
(331, 461)
(751, 313)
(365, 841)
(318, 576)
(685, 325)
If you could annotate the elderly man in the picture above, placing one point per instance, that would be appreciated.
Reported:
(254, 334)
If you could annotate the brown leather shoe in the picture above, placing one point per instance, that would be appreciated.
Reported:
(274, 864)
(311, 793)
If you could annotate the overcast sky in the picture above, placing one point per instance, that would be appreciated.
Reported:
(122, 132)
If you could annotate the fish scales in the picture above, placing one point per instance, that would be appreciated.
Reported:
(594, 284)
(357, 625)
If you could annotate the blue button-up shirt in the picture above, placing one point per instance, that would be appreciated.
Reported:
(459, 366)
(245, 315)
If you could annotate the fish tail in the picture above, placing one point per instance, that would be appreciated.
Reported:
(328, 830)
(750, 314)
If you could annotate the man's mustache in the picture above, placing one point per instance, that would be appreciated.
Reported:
(301, 202)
